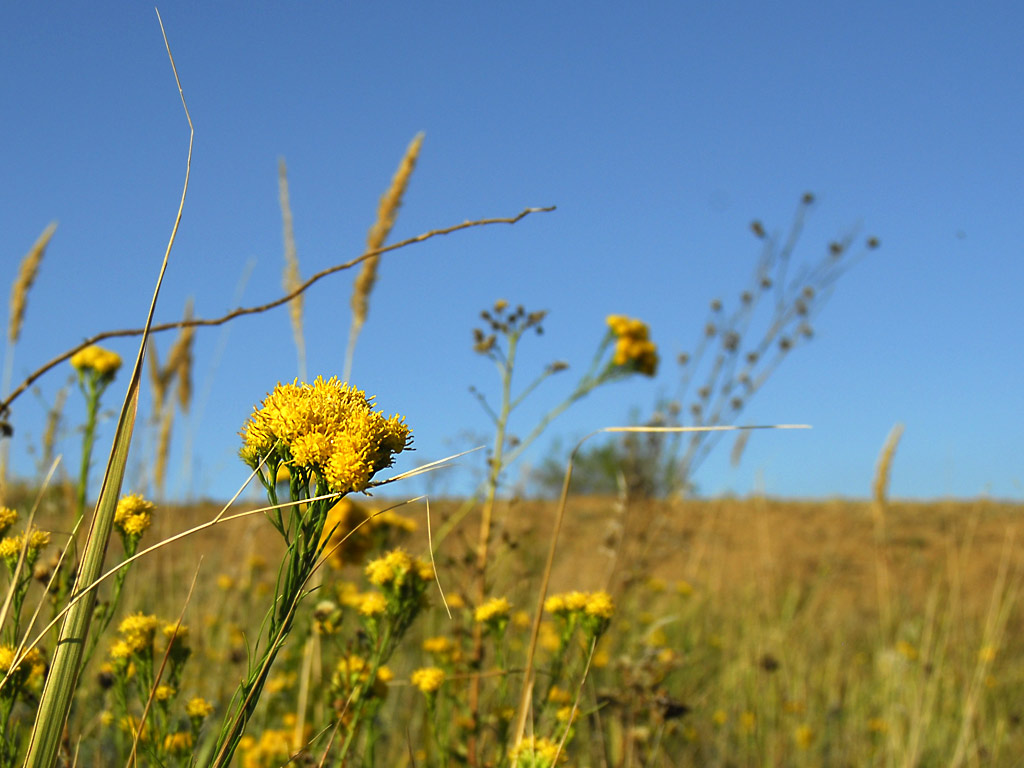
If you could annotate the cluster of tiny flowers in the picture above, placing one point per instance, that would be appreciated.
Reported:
(595, 609)
(353, 672)
(427, 679)
(10, 548)
(137, 632)
(633, 347)
(328, 428)
(536, 752)
(397, 568)
(494, 611)
(104, 362)
(30, 665)
(8, 517)
(133, 515)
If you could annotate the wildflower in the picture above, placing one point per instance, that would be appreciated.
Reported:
(178, 743)
(494, 611)
(536, 752)
(346, 538)
(633, 347)
(10, 548)
(102, 362)
(427, 679)
(198, 708)
(133, 516)
(720, 717)
(164, 692)
(29, 665)
(138, 631)
(373, 604)
(327, 428)
(8, 517)
(439, 645)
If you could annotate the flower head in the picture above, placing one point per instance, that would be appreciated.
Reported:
(102, 361)
(328, 428)
(133, 516)
(494, 611)
(633, 348)
(428, 679)
(8, 517)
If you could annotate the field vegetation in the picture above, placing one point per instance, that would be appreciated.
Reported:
(620, 623)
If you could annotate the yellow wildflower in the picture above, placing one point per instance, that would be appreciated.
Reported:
(164, 692)
(803, 736)
(428, 679)
(8, 517)
(178, 743)
(438, 645)
(633, 347)
(102, 361)
(494, 610)
(327, 427)
(138, 631)
(133, 515)
(373, 604)
(198, 708)
(533, 752)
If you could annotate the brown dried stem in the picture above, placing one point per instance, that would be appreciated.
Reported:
(241, 311)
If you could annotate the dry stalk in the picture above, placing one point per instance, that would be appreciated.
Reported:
(387, 212)
(879, 492)
(242, 311)
(26, 276)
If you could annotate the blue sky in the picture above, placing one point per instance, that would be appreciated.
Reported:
(660, 130)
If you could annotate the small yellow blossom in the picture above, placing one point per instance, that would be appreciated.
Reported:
(373, 604)
(720, 717)
(987, 654)
(138, 631)
(133, 515)
(533, 752)
(8, 517)
(439, 645)
(104, 362)
(164, 692)
(198, 708)
(633, 347)
(428, 679)
(494, 610)
(178, 743)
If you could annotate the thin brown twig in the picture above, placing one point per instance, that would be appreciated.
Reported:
(4, 404)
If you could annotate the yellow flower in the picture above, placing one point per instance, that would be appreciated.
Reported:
(373, 604)
(327, 427)
(633, 347)
(10, 548)
(178, 743)
(198, 708)
(102, 361)
(133, 515)
(439, 645)
(533, 752)
(164, 692)
(599, 605)
(494, 610)
(138, 631)
(8, 517)
(428, 679)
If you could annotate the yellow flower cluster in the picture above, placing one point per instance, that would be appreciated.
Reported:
(534, 752)
(137, 633)
(427, 679)
(353, 672)
(10, 547)
(494, 610)
(8, 517)
(392, 569)
(328, 428)
(93, 358)
(596, 604)
(30, 665)
(178, 743)
(198, 708)
(133, 515)
(633, 346)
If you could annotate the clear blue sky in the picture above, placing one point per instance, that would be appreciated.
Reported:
(660, 130)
